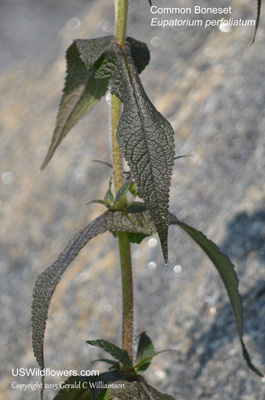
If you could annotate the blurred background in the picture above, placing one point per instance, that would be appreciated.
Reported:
(210, 84)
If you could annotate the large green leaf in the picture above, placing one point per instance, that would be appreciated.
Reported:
(227, 272)
(81, 92)
(47, 281)
(119, 354)
(146, 141)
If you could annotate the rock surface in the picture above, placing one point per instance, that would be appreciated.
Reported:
(211, 87)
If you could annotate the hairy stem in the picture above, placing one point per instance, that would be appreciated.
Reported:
(121, 11)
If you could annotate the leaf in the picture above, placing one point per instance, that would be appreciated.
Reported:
(226, 270)
(137, 389)
(114, 364)
(136, 237)
(99, 201)
(109, 197)
(140, 54)
(47, 281)
(146, 141)
(95, 55)
(142, 365)
(81, 92)
(257, 20)
(103, 162)
(122, 192)
(74, 389)
(145, 350)
(119, 354)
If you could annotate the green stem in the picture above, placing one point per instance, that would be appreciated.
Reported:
(121, 11)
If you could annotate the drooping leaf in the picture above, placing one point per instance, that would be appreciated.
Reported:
(119, 354)
(81, 92)
(257, 20)
(145, 350)
(47, 281)
(74, 388)
(227, 272)
(146, 141)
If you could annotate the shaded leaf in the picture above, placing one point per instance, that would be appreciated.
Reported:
(81, 92)
(94, 54)
(119, 354)
(136, 237)
(146, 141)
(145, 350)
(140, 54)
(48, 280)
(74, 389)
(227, 272)
(137, 389)
(257, 20)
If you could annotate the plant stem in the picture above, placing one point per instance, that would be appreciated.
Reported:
(121, 11)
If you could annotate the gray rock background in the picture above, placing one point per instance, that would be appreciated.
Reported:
(211, 87)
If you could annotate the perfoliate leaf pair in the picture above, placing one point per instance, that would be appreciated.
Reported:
(89, 71)
(144, 135)
(137, 220)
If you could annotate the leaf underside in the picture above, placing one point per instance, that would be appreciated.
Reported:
(48, 280)
(81, 92)
(146, 141)
(227, 272)
(90, 67)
